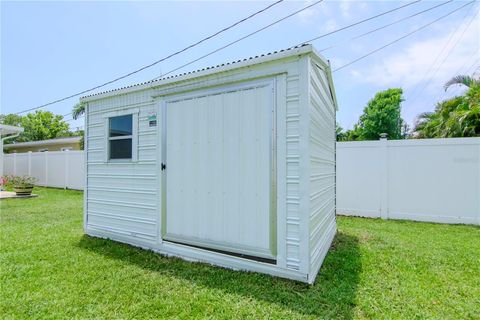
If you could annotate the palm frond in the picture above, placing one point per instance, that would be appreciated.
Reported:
(463, 80)
(78, 110)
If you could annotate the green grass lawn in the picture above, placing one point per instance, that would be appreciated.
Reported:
(375, 269)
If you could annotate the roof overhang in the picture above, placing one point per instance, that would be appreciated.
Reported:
(43, 143)
(283, 54)
(8, 130)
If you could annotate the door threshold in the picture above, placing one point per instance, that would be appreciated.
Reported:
(235, 254)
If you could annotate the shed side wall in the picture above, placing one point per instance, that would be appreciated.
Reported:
(322, 167)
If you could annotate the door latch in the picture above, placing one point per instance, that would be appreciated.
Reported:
(163, 166)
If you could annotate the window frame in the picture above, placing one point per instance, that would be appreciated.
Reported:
(133, 136)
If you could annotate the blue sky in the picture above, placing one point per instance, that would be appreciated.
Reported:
(53, 49)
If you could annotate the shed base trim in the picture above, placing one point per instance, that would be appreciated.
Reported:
(193, 254)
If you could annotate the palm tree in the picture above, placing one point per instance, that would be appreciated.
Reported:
(462, 80)
(78, 110)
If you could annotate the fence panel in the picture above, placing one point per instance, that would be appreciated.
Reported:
(436, 180)
(60, 169)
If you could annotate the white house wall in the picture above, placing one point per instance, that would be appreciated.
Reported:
(322, 166)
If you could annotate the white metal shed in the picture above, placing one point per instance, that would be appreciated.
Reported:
(232, 165)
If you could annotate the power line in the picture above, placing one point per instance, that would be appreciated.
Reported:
(70, 120)
(238, 40)
(223, 47)
(438, 56)
(466, 61)
(157, 61)
(442, 95)
(359, 22)
(472, 69)
(446, 57)
(316, 38)
(385, 26)
(401, 38)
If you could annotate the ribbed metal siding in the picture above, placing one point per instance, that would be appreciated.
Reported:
(293, 172)
(122, 198)
(218, 161)
(322, 166)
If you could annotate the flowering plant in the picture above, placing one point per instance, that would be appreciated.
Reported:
(18, 181)
(3, 182)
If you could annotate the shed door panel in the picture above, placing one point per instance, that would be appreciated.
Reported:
(218, 170)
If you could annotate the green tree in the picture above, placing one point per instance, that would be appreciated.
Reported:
(43, 125)
(341, 135)
(381, 115)
(455, 117)
(11, 119)
(78, 110)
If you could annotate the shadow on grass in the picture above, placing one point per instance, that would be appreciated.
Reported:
(332, 295)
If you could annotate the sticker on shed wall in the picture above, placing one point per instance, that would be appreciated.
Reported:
(152, 119)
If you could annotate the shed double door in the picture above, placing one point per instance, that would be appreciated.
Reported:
(218, 149)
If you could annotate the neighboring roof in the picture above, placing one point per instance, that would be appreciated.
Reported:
(6, 129)
(293, 51)
(49, 142)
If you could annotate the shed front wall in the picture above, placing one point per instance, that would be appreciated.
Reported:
(123, 200)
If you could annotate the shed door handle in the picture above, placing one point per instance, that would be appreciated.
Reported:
(163, 166)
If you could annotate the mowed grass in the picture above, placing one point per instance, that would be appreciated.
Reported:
(375, 269)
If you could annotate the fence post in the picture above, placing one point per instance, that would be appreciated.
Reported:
(384, 177)
(29, 163)
(66, 153)
(478, 213)
(14, 163)
(46, 168)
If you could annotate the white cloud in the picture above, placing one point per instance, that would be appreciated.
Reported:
(345, 7)
(408, 66)
(330, 25)
(328, 14)
(309, 15)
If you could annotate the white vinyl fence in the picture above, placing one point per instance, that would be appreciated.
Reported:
(60, 169)
(435, 180)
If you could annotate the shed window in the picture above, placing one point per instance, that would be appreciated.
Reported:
(120, 136)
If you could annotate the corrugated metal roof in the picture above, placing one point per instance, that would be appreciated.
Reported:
(195, 71)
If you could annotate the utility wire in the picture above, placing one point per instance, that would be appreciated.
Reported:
(238, 40)
(472, 69)
(414, 94)
(157, 61)
(301, 43)
(468, 70)
(248, 35)
(359, 22)
(383, 27)
(401, 38)
(446, 57)
(70, 120)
